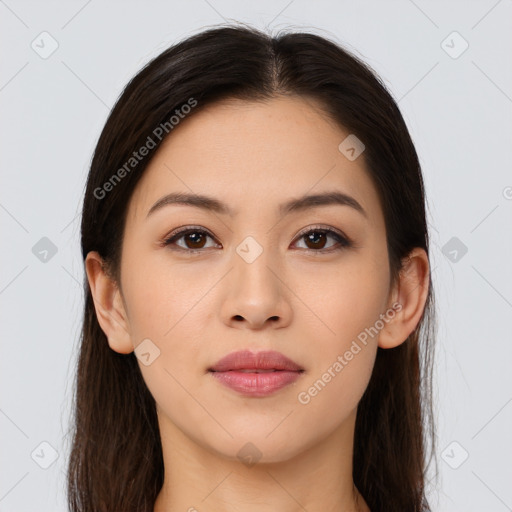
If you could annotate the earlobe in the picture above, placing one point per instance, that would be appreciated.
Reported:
(108, 304)
(410, 292)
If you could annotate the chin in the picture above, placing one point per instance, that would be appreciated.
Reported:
(256, 447)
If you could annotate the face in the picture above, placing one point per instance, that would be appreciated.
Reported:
(304, 281)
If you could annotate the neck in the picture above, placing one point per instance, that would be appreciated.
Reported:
(318, 478)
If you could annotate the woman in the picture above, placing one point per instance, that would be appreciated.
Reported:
(258, 324)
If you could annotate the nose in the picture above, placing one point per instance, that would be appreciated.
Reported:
(257, 295)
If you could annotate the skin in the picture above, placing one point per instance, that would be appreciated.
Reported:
(310, 306)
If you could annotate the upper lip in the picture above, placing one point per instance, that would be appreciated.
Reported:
(247, 360)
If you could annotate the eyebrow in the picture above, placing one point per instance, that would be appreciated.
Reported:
(293, 205)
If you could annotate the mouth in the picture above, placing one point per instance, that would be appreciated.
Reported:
(256, 374)
(255, 362)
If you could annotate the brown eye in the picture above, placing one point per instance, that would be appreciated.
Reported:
(193, 239)
(316, 240)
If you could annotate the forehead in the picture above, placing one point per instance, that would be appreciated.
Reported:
(253, 155)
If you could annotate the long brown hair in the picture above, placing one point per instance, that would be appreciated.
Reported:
(116, 461)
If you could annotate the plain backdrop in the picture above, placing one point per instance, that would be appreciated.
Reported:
(447, 64)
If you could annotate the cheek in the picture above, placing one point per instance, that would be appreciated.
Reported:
(161, 298)
(345, 335)
(344, 299)
(342, 362)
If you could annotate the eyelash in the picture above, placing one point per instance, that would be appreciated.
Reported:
(343, 241)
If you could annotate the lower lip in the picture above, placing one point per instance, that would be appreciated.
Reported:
(256, 384)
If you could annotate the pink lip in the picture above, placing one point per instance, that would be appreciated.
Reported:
(228, 372)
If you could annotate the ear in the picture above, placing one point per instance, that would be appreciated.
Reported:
(108, 304)
(409, 295)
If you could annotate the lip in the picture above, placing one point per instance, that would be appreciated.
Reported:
(256, 374)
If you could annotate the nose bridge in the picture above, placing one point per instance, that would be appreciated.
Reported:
(256, 294)
(252, 259)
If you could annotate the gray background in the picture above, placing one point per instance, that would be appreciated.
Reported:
(458, 109)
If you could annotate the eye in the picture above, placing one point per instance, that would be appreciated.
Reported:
(316, 239)
(193, 238)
